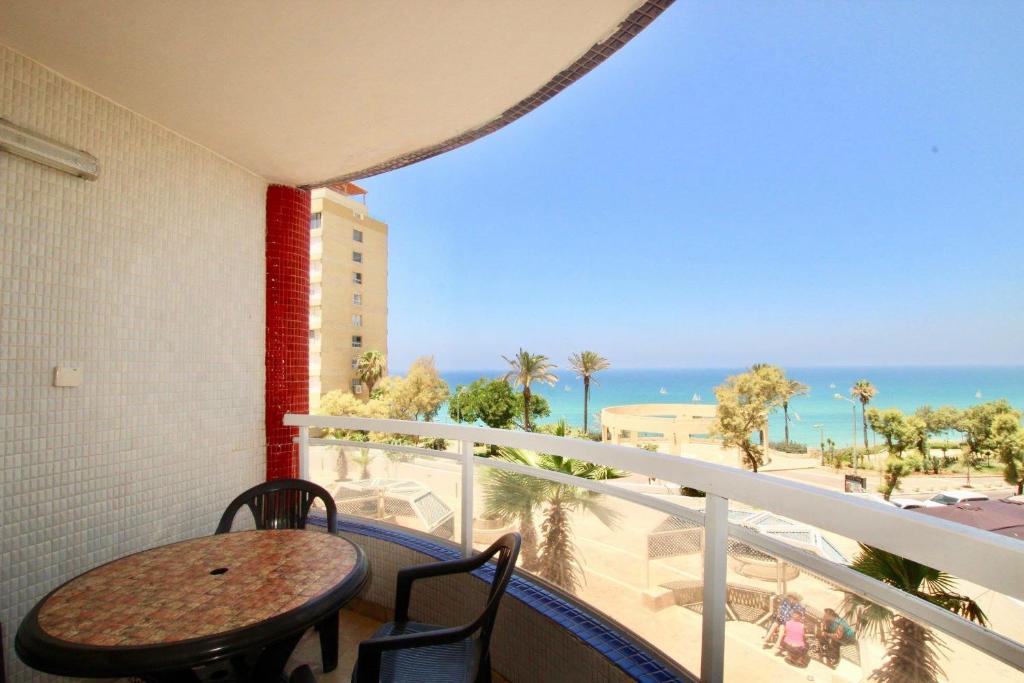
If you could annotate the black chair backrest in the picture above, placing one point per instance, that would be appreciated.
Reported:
(281, 504)
(507, 550)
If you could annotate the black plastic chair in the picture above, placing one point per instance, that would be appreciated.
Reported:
(285, 504)
(302, 674)
(281, 504)
(404, 650)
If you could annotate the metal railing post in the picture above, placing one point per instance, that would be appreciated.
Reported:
(304, 453)
(466, 449)
(716, 540)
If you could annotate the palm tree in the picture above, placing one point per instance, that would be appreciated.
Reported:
(527, 368)
(790, 389)
(370, 367)
(863, 391)
(363, 460)
(515, 497)
(586, 364)
(912, 654)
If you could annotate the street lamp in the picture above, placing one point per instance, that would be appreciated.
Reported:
(853, 441)
(821, 438)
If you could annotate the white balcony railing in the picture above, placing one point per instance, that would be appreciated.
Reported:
(992, 561)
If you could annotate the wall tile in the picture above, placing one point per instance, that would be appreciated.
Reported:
(151, 279)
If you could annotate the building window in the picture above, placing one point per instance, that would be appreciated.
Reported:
(357, 387)
(314, 220)
(357, 341)
(357, 235)
(357, 299)
(357, 320)
(355, 363)
(357, 278)
(357, 256)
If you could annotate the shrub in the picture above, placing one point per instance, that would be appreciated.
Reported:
(791, 447)
(914, 461)
(691, 492)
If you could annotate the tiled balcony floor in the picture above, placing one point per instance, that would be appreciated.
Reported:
(354, 629)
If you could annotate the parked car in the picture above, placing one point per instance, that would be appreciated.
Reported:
(907, 503)
(952, 498)
(875, 497)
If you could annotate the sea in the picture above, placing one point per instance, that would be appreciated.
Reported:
(906, 388)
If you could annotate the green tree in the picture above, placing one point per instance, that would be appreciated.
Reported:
(417, 396)
(370, 368)
(790, 389)
(744, 402)
(539, 408)
(771, 387)
(491, 402)
(494, 403)
(912, 654)
(975, 423)
(863, 391)
(899, 436)
(938, 421)
(1008, 442)
(918, 436)
(345, 403)
(586, 364)
(525, 369)
(516, 497)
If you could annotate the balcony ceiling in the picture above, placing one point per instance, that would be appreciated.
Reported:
(323, 90)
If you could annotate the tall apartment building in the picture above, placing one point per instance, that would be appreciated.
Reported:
(348, 296)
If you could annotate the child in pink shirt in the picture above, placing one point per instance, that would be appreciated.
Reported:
(793, 643)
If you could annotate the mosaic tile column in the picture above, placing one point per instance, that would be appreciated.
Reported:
(287, 359)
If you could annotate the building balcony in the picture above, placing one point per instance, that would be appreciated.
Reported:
(686, 584)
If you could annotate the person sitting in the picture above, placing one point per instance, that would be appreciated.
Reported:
(794, 641)
(789, 604)
(833, 633)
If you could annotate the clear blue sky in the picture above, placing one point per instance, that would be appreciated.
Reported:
(807, 183)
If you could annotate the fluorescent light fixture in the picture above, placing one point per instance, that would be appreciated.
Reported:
(24, 143)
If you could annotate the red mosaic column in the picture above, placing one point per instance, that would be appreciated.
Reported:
(287, 359)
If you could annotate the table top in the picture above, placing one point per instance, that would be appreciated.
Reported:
(215, 588)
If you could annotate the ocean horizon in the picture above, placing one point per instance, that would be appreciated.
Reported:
(903, 387)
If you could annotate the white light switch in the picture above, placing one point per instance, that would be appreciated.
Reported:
(67, 377)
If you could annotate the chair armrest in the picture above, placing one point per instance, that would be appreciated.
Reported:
(370, 651)
(403, 587)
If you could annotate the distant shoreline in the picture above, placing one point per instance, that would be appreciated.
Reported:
(904, 387)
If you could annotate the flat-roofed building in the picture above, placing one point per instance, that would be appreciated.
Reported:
(348, 292)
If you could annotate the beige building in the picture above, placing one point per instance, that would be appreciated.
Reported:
(348, 293)
(672, 425)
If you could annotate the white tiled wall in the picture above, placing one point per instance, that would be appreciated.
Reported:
(151, 279)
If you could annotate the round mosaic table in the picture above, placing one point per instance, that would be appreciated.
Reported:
(244, 598)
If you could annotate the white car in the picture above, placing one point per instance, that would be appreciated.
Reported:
(952, 498)
(907, 503)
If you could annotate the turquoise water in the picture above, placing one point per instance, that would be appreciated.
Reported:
(905, 388)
